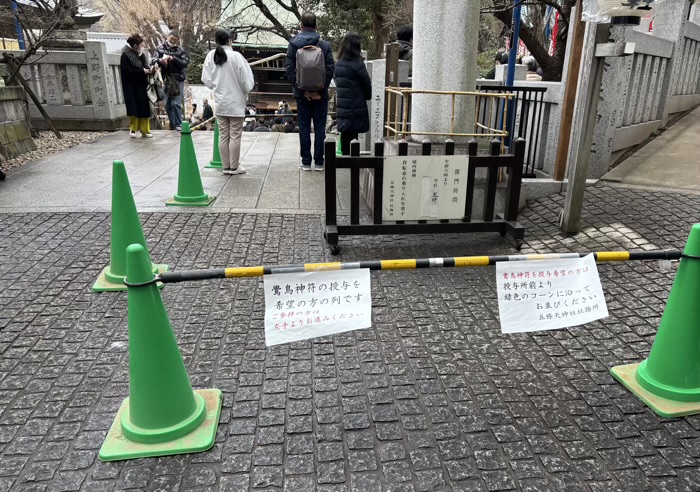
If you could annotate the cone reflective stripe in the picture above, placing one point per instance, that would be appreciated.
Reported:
(190, 191)
(669, 380)
(126, 230)
(162, 414)
(215, 162)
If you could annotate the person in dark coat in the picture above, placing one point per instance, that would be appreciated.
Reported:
(135, 66)
(311, 106)
(173, 59)
(405, 39)
(354, 89)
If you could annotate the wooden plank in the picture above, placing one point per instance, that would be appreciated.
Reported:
(567, 112)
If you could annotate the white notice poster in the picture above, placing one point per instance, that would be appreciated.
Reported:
(549, 294)
(306, 305)
(425, 187)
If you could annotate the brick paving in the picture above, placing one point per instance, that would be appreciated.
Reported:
(432, 397)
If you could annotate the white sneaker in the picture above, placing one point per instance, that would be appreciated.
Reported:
(229, 172)
(146, 135)
(132, 134)
(238, 170)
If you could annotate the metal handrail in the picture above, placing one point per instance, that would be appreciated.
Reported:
(397, 128)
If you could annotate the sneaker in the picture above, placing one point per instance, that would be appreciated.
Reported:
(238, 170)
(178, 128)
(228, 171)
(146, 135)
(305, 167)
(132, 134)
(318, 168)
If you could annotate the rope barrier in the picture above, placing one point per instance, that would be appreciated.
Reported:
(410, 264)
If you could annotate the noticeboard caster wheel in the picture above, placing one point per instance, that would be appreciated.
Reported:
(518, 244)
(335, 249)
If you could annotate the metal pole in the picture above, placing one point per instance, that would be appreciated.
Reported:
(411, 264)
(18, 27)
(510, 74)
(514, 42)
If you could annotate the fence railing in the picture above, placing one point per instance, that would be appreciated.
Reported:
(76, 85)
(505, 223)
(398, 113)
(523, 118)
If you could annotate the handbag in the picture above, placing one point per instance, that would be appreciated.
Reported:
(172, 86)
(156, 91)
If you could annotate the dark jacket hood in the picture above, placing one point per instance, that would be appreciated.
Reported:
(305, 38)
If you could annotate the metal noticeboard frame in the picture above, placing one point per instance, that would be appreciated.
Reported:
(505, 223)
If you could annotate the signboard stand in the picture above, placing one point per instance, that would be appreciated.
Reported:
(505, 223)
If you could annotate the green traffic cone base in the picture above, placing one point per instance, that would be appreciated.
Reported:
(118, 447)
(106, 282)
(215, 165)
(203, 201)
(627, 375)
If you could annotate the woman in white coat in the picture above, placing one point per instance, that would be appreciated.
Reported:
(228, 74)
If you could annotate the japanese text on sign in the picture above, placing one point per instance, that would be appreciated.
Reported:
(425, 187)
(548, 294)
(306, 305)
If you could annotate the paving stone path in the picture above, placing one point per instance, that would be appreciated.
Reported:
(431, 398)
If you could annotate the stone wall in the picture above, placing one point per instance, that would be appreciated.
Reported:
(15, 136)
(80, 90)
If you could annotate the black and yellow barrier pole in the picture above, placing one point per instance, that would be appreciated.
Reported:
(407, 264)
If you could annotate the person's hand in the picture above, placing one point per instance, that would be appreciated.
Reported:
(146, 71)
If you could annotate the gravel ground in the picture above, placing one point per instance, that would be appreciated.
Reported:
(48, 144)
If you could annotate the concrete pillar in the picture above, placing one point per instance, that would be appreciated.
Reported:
(445, 42)
(669, 23)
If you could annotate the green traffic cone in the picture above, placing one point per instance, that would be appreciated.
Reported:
(162, 415)
(338, 148)
(126, 230)
(669, 380)
(215, 162)
(190, 192)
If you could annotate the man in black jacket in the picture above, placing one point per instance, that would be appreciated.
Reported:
(173, 60)
(207, 113)
(310, 105)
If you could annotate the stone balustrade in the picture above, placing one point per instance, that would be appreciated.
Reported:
(80, 90)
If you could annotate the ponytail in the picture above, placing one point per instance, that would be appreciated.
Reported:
(223, 38)
(220, 55)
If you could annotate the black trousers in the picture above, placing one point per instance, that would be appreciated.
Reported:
(345, 139)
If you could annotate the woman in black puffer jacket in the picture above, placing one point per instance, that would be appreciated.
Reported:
(354, 89)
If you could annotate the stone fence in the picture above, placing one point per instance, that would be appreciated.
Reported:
(80, 90)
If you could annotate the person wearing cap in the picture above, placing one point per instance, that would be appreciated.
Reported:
(173, 60)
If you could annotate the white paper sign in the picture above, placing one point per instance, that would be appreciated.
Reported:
(549, 294)
(425, 187)
(299, 306)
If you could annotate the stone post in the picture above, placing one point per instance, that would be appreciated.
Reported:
(669, 23)
(100, 80)
(445, 46)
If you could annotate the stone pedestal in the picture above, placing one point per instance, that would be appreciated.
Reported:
(445, 41)
(502, 72)
(67, 40)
